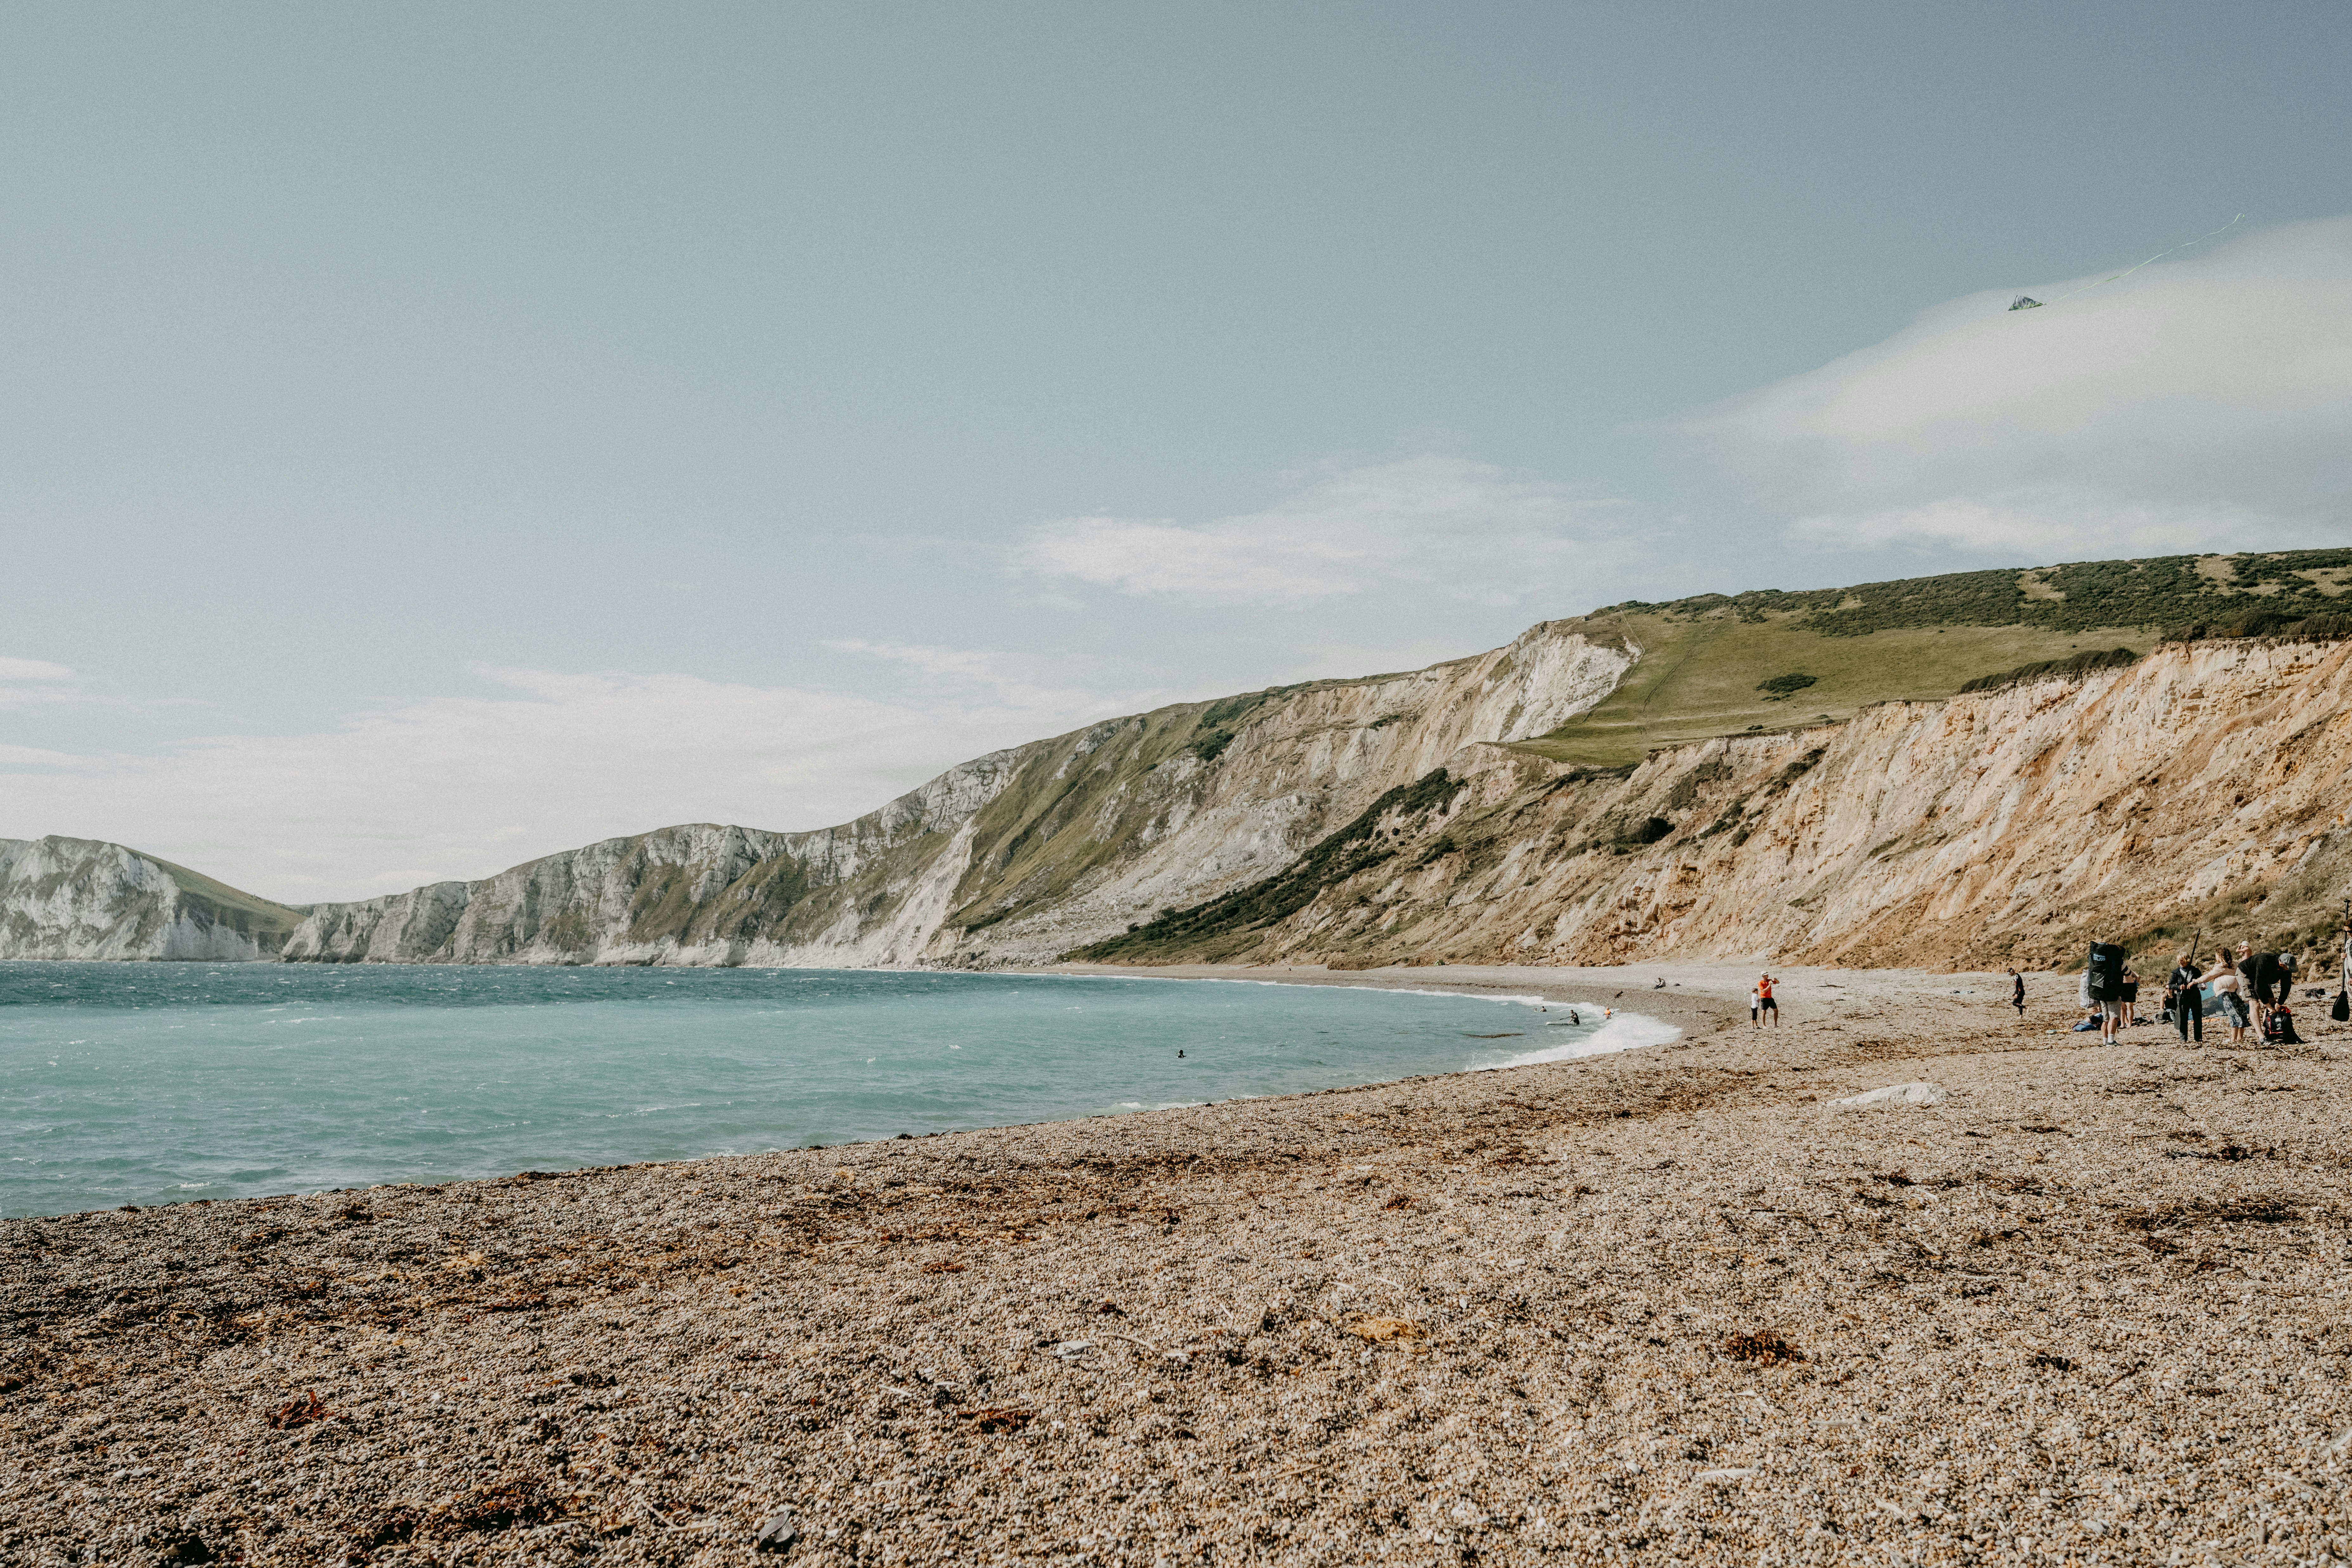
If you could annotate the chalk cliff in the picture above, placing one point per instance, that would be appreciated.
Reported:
(77, 897)
(1983, 767)
(1012, 857)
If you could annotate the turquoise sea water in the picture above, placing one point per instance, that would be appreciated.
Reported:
(145, 1083)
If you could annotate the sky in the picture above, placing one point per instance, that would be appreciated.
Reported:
(439, 435)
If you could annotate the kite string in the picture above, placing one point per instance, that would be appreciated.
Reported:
(2158, 256)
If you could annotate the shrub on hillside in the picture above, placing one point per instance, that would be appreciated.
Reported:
(2069, 667)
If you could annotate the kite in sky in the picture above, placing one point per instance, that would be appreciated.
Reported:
(2027, 302)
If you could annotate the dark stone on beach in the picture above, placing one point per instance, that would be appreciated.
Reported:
(777, 1533)
(187, 1549)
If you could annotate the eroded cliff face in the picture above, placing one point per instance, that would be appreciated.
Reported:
(81, 899)
(2204, 789)
(1014, 856)
(1391, 820)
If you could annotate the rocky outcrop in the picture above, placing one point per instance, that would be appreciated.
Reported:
(80, 899)
(1014, 856)
(2201, 790)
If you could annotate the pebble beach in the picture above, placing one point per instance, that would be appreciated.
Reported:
(1670, 1304)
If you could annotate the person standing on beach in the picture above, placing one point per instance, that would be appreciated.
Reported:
(1764, 1002)
(2131, 996)
(2017, 994)
(1755, 1007)
(2223, 978)
(2187, 1006)
(2103, 988)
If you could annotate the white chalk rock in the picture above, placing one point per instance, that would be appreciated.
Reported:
(1894, 1097)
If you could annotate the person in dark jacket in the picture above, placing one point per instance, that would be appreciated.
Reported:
(2268, 978)
(2187, 1006)
(2017, 992)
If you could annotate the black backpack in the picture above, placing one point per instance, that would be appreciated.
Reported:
(2342, 1011)
(2278, 1029)
(2106, 972)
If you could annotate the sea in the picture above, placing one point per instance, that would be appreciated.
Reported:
(156, 1083)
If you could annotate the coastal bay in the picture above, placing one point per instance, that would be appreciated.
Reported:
(1661, 1300)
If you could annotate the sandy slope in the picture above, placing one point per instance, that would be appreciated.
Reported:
(1661, 1303)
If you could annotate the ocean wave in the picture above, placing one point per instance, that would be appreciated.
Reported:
(1625, 1032)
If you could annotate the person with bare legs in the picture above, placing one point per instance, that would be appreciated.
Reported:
(1764, 1002)
(2223, 978)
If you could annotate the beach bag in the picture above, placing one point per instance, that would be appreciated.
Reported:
(2278, 1029)
(2106, 972)
(2342, 1011)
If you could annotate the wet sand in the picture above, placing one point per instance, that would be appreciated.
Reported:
(1662, 1305)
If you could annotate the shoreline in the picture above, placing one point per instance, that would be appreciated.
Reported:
(1660, 1300)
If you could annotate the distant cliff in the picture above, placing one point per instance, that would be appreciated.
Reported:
(77, 898)
(1013, 856)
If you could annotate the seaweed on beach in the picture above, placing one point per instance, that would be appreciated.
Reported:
(1768, 1346)
(2263, 1209)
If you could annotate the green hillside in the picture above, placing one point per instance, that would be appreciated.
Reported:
(1728, 664)
(232, 907)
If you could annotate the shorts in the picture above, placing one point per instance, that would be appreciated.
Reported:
(2235, 1006)
(1768, 1005)
(2113, 1007)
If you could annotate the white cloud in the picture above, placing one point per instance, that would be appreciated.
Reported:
(2197, 404)
(418, 790)
(1432, 525)
(37, 687)
(1049, 686)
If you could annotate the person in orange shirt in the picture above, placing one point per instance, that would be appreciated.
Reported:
(1764, 1002)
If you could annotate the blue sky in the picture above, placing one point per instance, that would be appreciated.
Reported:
(438, 435)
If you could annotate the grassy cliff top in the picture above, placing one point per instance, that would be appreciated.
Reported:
(2162, 592)
(259, 914)
(1722, 664)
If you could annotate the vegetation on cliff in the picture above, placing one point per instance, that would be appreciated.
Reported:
(1922, 640)
(1230, 920)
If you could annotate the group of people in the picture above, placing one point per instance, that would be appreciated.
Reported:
(2253, 990)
